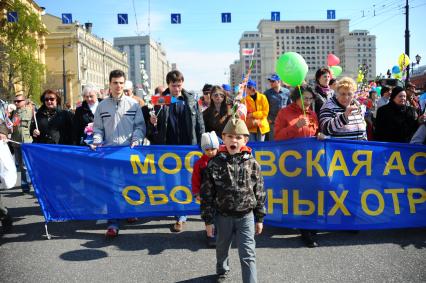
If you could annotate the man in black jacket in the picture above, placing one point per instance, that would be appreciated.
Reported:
(178, 123)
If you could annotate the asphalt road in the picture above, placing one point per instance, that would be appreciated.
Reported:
(148, 252)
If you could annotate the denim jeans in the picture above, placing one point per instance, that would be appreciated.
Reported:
(181, 218)
(243, 227)
(114, 223)
(22, 168)
(257, 136)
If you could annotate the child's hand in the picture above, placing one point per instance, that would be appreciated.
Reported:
(258, 228)
(210, 230)
(197, 197)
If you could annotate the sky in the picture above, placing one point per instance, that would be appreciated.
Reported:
(203, 47)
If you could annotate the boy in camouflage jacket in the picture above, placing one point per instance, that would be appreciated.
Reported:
(232, 197)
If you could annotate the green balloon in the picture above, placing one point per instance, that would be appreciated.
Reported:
(336, 71)
(292, 68)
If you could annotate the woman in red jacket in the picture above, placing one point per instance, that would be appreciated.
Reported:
(291, 122)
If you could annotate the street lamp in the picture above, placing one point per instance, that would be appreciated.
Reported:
(64, 76)
(64, 73)
(418, 58)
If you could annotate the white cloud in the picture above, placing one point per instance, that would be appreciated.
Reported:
(200, 67)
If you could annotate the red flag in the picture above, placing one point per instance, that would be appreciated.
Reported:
(161, 100)
(248, 51)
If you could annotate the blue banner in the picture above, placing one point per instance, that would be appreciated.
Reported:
(310, 184)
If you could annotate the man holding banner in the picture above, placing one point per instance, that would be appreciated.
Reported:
(177, 122)
(118, 121)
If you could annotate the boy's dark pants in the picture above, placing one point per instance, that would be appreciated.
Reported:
(243, 227)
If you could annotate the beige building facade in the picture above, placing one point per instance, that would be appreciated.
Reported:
(313, 40)
(85, 58)
(144, 51)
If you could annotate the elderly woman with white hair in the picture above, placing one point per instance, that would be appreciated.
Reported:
(85, 113)
(342, 116)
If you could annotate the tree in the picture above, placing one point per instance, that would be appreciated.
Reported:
(19, 47)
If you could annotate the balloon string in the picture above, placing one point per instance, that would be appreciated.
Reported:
(303, 103)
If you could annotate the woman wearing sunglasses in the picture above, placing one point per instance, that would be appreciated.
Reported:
(54, 125)
(216, 115)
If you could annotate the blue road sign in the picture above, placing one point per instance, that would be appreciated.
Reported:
(123, 19)
(275, 16)
(67, 18)
(175, 18)
(12, 17)
(331, 14)
(226, 17)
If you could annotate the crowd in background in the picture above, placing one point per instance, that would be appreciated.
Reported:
(336, 108)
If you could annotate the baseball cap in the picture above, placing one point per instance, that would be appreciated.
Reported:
(251, 83)
(274, 77)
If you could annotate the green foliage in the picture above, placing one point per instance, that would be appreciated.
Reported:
(19, 64)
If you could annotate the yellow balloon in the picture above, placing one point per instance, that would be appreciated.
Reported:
(403, 60)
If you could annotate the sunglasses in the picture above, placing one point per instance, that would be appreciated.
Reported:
(17, 101)
(50, 99)
(218, 94)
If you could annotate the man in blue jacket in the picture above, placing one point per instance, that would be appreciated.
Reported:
(278, 97)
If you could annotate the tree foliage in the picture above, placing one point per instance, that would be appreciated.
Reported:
(19, 48)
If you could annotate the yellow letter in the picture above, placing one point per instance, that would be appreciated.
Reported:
(183, 189)
(396, 156)
(188, 159)
(359, 163)
(283, 201)
(412, 201)
(339, 203)
(379, 197)
(320, 202)
(283, 169)
(314, 163)
(148, 161)
(131, 201)
(155, 199)
(173, 156)
(338, 156)
(269, 162)
(394, 193)
(413, 160)
(297, 202)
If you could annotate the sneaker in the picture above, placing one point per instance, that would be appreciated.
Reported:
(111, 232)
(308, 240)
(7, 223)
(26, 189)
(177, 227)
(132, 220)
(222, 277)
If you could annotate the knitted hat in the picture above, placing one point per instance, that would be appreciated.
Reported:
(395, 92)
(236, 126)
(209, 141)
